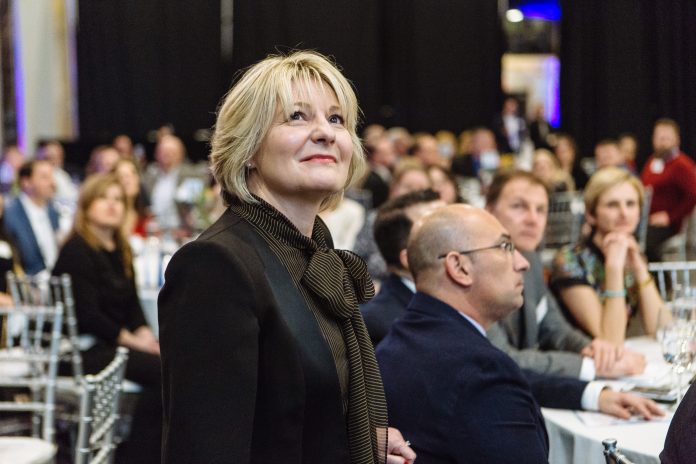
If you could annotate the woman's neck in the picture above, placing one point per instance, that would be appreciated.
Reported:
(105, 236)
(598, 238)
(300, 210)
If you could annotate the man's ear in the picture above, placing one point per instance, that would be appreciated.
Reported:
(403, 259)
(459, 268)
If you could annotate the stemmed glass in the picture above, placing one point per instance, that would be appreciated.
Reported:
(676, 332)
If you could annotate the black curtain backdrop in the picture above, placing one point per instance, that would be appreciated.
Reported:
(424, 64)
(142, 64)
(624, 64)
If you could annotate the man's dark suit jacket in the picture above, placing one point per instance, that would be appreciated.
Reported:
(19, 229)
(459, 399)
(246, 374)
(680, 445)
(386, 307)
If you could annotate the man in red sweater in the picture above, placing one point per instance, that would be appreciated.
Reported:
(672, 176)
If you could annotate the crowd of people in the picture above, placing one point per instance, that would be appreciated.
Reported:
(267, 325)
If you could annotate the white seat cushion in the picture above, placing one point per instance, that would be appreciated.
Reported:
(26, 450)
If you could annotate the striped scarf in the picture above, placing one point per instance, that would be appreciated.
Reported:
(338, 281)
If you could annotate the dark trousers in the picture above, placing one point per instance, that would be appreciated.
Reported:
(144, 442)
(653, 242)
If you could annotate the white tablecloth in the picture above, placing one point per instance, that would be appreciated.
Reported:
(573, 440)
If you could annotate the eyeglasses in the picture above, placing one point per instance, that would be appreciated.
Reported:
(506, 245)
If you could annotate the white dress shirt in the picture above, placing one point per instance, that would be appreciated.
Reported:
(43, 230)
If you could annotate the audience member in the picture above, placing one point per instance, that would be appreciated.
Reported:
(137, 212)
(567, 153)
(66, 190)
(392, 227)
(373, 133)
(99, 260)
(459, 393)
(607, 153)
(382, 158)
(628, 144)
(409, 176)
(344, 221)
(299, 382)
(538, 336)
(168, 179)
(540, 130)
(8, 258)
(426, 150)
(483, 160)
(672, 176)
(509, 127)
(402, 140)
(546, 167)
(102, 160)
(445, 184)
(603, 280)
(446, 145)
(31, 220)
(12, 160)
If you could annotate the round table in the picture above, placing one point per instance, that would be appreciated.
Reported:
(574, 440)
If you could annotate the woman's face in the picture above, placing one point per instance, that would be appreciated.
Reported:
(107, 211)
(618, 210)
(129, 179)
(306, 153)
(543, 167)
(564, 152)
(443, 185)
(410, 181)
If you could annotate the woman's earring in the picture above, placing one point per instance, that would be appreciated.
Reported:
(249, 165)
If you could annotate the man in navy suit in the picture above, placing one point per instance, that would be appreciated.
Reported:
(392, 226)
(454, 395)
(30, 219)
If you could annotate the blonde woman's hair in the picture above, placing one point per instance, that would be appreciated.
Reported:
(606, 178)
(94, 187)
(249, 108)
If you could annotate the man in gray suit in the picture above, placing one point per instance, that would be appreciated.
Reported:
(538, 337)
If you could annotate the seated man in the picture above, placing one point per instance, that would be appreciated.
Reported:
(454, 395)
(392, 226)
(30, 219)
(538, 336)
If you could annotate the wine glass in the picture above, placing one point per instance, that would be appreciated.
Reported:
(676, 332)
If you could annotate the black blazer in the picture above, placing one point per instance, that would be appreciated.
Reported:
(247, 376)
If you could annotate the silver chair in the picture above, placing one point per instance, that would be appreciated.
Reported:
(30, 360)
(99, 412)
(612, 453)
(671, 273)
(565, 219)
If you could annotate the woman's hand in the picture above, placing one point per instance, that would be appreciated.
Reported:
(141, 340)
(615, 247)
(398, 450)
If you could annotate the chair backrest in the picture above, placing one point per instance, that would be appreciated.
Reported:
(99, 412)
(612, 454)
(45, 290)
(30, 359)
(671, 273)
(564, 220)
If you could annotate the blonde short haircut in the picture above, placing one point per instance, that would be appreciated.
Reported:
(603, 180)
(249, 108)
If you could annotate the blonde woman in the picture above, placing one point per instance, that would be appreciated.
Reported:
(603, 281)
(265, 355)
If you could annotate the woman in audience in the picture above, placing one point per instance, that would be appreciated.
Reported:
(444, 183)
(137, 214)
(547, 168)
(98, 259)
(604, 280)
(566, 151)
(265, 357)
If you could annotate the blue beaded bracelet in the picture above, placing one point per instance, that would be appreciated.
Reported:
(614, 293)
